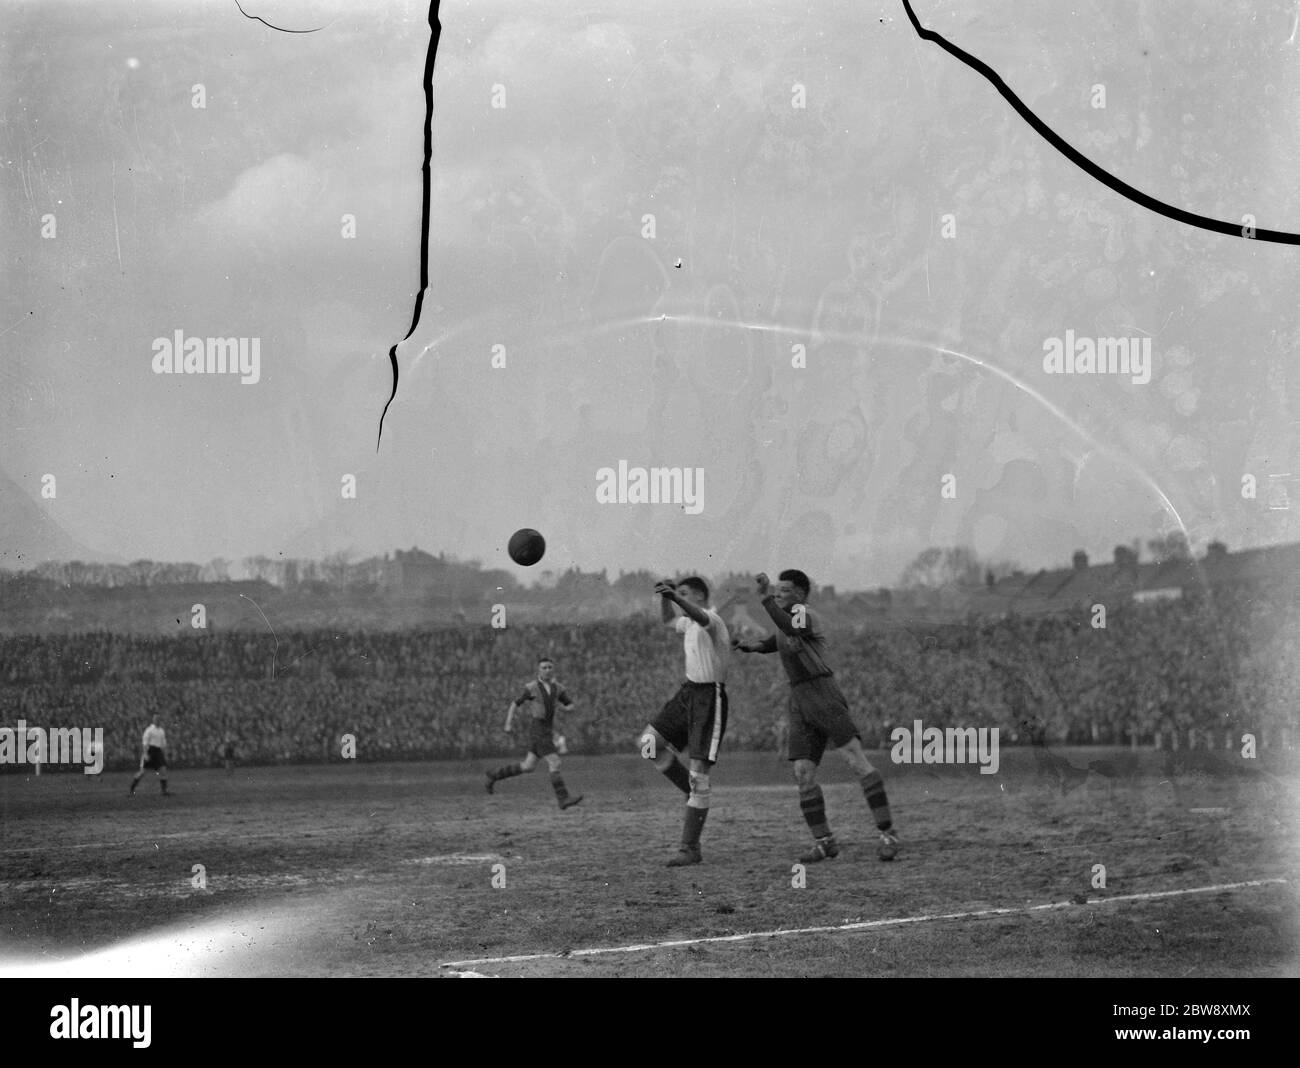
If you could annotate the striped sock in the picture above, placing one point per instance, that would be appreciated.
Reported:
(873, 787)
(814, 810)
(561, 791)
(507, 771)
(693, 825)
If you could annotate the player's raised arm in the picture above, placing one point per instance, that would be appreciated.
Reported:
(784, 620)
(666, 600)
(671, 597)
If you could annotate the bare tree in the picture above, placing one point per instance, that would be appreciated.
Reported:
(56, 570)
(1173, 546)
(336, 568)
(936, 568)
(260, 568)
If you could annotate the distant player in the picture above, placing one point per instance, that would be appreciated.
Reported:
(227, 752)
(546, 693)
(818, 713)
(153, 758)
(695, 718)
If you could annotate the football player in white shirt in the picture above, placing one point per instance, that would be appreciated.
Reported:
(695, 718)
(153, 758)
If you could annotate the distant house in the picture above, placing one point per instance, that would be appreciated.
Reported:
(413, 572)
(1125, 579)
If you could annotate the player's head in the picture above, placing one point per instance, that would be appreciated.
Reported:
(546, 669)
(694, 589)
(792, 588)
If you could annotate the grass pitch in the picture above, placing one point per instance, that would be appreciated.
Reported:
(390, 869)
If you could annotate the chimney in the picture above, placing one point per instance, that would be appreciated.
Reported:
(1126, 561)
(1080, 560)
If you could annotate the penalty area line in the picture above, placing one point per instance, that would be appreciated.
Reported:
(865, 925)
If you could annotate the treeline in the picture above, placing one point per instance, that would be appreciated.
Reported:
(338, 571)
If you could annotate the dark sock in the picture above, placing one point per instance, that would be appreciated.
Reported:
(873, 786)
(693, 825)
(678, 775)
(813, 805)
(561, 791)
(164, 785)
(506, 771)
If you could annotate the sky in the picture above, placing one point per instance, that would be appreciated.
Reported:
(818, 176)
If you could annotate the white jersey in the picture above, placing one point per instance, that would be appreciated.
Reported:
(155, 736)
(708, 649)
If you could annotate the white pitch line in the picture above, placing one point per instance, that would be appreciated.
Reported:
(861, 926)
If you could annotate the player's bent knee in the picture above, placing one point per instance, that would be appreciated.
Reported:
(805, 772)
(553, 762)
(856, 758)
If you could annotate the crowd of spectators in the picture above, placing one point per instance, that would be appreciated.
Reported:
(1154, 670)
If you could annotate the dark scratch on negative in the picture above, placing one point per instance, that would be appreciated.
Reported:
(280, 28)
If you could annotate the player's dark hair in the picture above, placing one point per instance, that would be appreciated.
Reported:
(696, 583)
(544, 660)
(799, 579)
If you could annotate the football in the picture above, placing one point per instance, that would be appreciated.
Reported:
(526, 547)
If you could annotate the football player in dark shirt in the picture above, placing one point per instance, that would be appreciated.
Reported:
(818, 713)
(547, 693)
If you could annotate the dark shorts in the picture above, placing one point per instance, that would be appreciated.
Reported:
(819, 713)
(695, 719)
(154, 759)
(541, 738)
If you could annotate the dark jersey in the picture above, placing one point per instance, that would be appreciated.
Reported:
(547, 697)
(802, 648)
